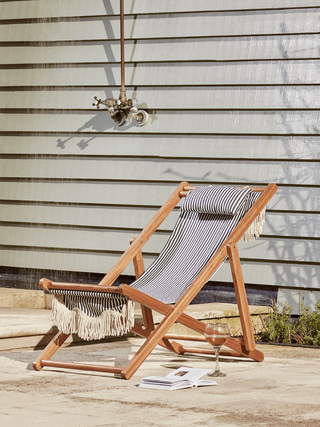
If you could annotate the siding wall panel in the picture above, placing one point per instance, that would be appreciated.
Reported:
(282, 224)
(218, 98)
(289, 72)
(208, 24)
(212, 122)
(204, 49)
(166, 170)
(104, 192)
(105, 240)
(75, 8)
(199, 146)
(233, 95)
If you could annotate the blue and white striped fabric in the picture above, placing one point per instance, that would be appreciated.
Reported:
(195, 239)
(92, 315)
(215, 200)
(93, 304)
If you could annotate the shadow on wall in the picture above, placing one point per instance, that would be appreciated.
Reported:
(102, 122)
(289, 274)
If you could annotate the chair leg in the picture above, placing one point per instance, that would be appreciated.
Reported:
(166, 343)
(50, 350)
(236, 344)
(152, 341)
(241, 296)
(147, 317)
(139, 269)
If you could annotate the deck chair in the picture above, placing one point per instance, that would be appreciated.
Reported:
(211, 222)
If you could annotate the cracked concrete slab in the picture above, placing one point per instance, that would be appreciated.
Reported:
(281, 391)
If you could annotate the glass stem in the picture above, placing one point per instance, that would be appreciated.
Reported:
(216, 350)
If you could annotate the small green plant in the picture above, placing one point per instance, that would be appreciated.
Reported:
(277, 327)
(280, 328)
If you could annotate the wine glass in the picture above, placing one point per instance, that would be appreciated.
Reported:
(217, 334)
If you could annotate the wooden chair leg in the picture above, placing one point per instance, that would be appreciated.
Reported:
(147, 315)
(166, 343)
(50, 350)
(241, 296)
(236, 344)
(139, 270)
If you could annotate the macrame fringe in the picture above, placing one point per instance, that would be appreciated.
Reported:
(110, 323)
(255, 228)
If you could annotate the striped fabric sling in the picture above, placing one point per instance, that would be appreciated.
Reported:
(207, 217)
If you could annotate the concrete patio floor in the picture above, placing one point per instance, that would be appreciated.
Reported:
(283, 390)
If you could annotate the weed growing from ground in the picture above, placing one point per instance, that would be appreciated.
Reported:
(279, 327)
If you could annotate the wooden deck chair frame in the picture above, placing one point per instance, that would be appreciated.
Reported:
(244, 347)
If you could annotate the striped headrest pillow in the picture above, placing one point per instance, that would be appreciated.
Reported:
(223, 200)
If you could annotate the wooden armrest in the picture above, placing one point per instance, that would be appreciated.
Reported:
(47, 284)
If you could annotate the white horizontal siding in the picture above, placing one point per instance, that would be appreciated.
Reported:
(166, 170)
(289, 275)
(289, 72)
(208, 24)
(282, 224)
(105, 240)
(233, 95)
(216, 49)
(134, 193)
(211, 122)
(296, 299)
(213, 147)
(218, 98)
(61, 8)
(294, 277)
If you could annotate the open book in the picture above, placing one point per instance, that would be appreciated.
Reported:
(180, 378)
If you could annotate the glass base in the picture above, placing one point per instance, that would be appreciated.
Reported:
(217, 374)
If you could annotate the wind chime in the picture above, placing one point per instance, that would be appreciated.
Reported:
(122, 110)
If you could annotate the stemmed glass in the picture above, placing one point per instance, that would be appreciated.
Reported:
(217, 334)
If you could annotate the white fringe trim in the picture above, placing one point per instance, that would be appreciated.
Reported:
(109, 323)
(255, 228)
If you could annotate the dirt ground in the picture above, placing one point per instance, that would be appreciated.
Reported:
(284, 390)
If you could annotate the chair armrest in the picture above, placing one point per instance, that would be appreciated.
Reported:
(47, 284)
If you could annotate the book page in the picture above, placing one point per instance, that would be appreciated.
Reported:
(183, 377)
(192, 374)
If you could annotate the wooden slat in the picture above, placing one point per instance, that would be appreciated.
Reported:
(98, 193)
(213, 122)
(62, 260)
(47, 284)
(72, 238)
(147, 169)
(81, 366)
(296, 297)
(196, 24)
(211, 147)
(241, 296)
(31, 9)
(139, 269)
(229, 49)
(285, 224)
(286, 250)
(263, 273)
(218, 98)
(274, 274)
(301, 199)
(54, 346)
(89, 216)
(162, 74)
